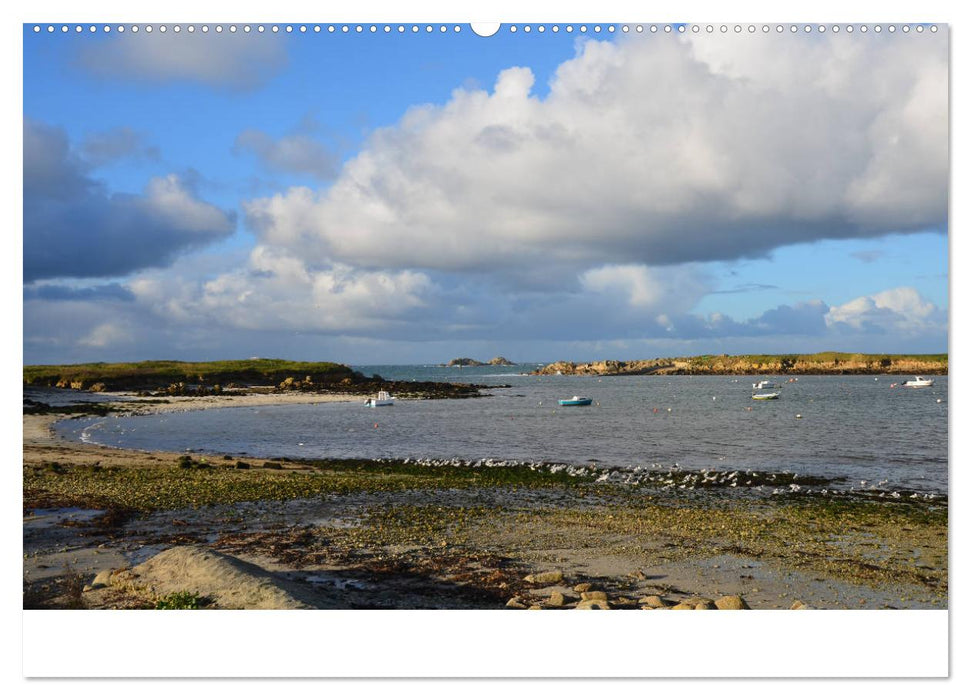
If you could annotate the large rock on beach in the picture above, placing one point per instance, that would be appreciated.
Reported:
(582, 587)
(731, 602)
(229, 582)
(545, 577)
(556, 599)
(593, 595)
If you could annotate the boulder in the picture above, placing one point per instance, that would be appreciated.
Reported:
(592, 605)
(556, 599)
(582, 587)
(102, 579)
(705, 606)
(545, 577)
(731, 602)
(654, 601)
(515, 602)
(593, 595)
(682, 606)
(97, 386)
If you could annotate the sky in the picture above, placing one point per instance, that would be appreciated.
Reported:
(384, 198)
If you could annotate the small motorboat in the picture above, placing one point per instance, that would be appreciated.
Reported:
(383, 399)
(766, 395)
(917, 383)
(576, 401)
(764, 384)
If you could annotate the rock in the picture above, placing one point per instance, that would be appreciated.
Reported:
(731, 602)
(582, 587)
(78, 385)
(637, 575)
(682, 606)
(593, 595)
(98, 386)
(556, 599)
(546, 577)
(592, 605)
(500, 360)
(799, 605)
(705, 606)
(102, 579)
(654, 601)
(515, 602)
(535, 607)
(697, 600)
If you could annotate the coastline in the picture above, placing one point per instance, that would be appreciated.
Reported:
(393, 535)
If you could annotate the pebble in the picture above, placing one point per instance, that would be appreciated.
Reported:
(731, 602)
(654, 601)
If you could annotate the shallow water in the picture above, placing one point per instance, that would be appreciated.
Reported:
(852, 427)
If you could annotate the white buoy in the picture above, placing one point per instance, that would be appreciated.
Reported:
(798, 415)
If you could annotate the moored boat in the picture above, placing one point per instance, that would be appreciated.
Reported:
(766, 395)
(918, 382)
(764, 384)
(383, 399)
(576, 401)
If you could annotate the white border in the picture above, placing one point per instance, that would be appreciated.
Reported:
(483, 643)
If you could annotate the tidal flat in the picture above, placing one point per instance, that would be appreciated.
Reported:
(113, 528)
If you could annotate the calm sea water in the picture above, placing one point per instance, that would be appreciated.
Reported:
(853, 427)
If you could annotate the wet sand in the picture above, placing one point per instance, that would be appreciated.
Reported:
(332, 536)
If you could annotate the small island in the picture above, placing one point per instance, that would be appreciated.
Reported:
(499, 361)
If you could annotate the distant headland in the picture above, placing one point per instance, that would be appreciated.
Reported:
(816, 363)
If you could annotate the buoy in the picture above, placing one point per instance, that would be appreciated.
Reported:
(375, 425)
(798, 415)
(939, 400)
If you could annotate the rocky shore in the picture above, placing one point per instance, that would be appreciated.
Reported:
(111, 528)
(818, 363)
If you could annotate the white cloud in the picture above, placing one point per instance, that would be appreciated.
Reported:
(902, 310)
(294, 153)
(235, 61)
(648, 152)
(106, 335)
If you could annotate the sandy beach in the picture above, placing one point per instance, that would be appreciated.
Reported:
(114, 528)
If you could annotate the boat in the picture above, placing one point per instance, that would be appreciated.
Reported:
(764, 384)
(918, 382)
(576, 401)
(383, 399)
(766, 395)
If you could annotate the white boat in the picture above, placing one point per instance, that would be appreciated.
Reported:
(918, 382)
(765, 384)
(766, 395)
(383, 399)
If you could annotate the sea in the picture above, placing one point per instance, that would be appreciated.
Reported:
(862, 432)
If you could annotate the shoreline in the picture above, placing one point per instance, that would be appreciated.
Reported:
(408, 535)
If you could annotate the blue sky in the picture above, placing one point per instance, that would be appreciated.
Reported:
(385, 198)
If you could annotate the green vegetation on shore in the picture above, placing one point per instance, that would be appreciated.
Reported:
(153, 373)
(194, 483)
(814, 363)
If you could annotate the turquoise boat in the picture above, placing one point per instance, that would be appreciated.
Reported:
(576, 401)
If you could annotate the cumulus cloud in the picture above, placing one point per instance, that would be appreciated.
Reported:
(104, 147)
(233, 61)
(298, 153)
(276, 291)
(652, 152)
(74, 227)
(106, 335)
(901, 310)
